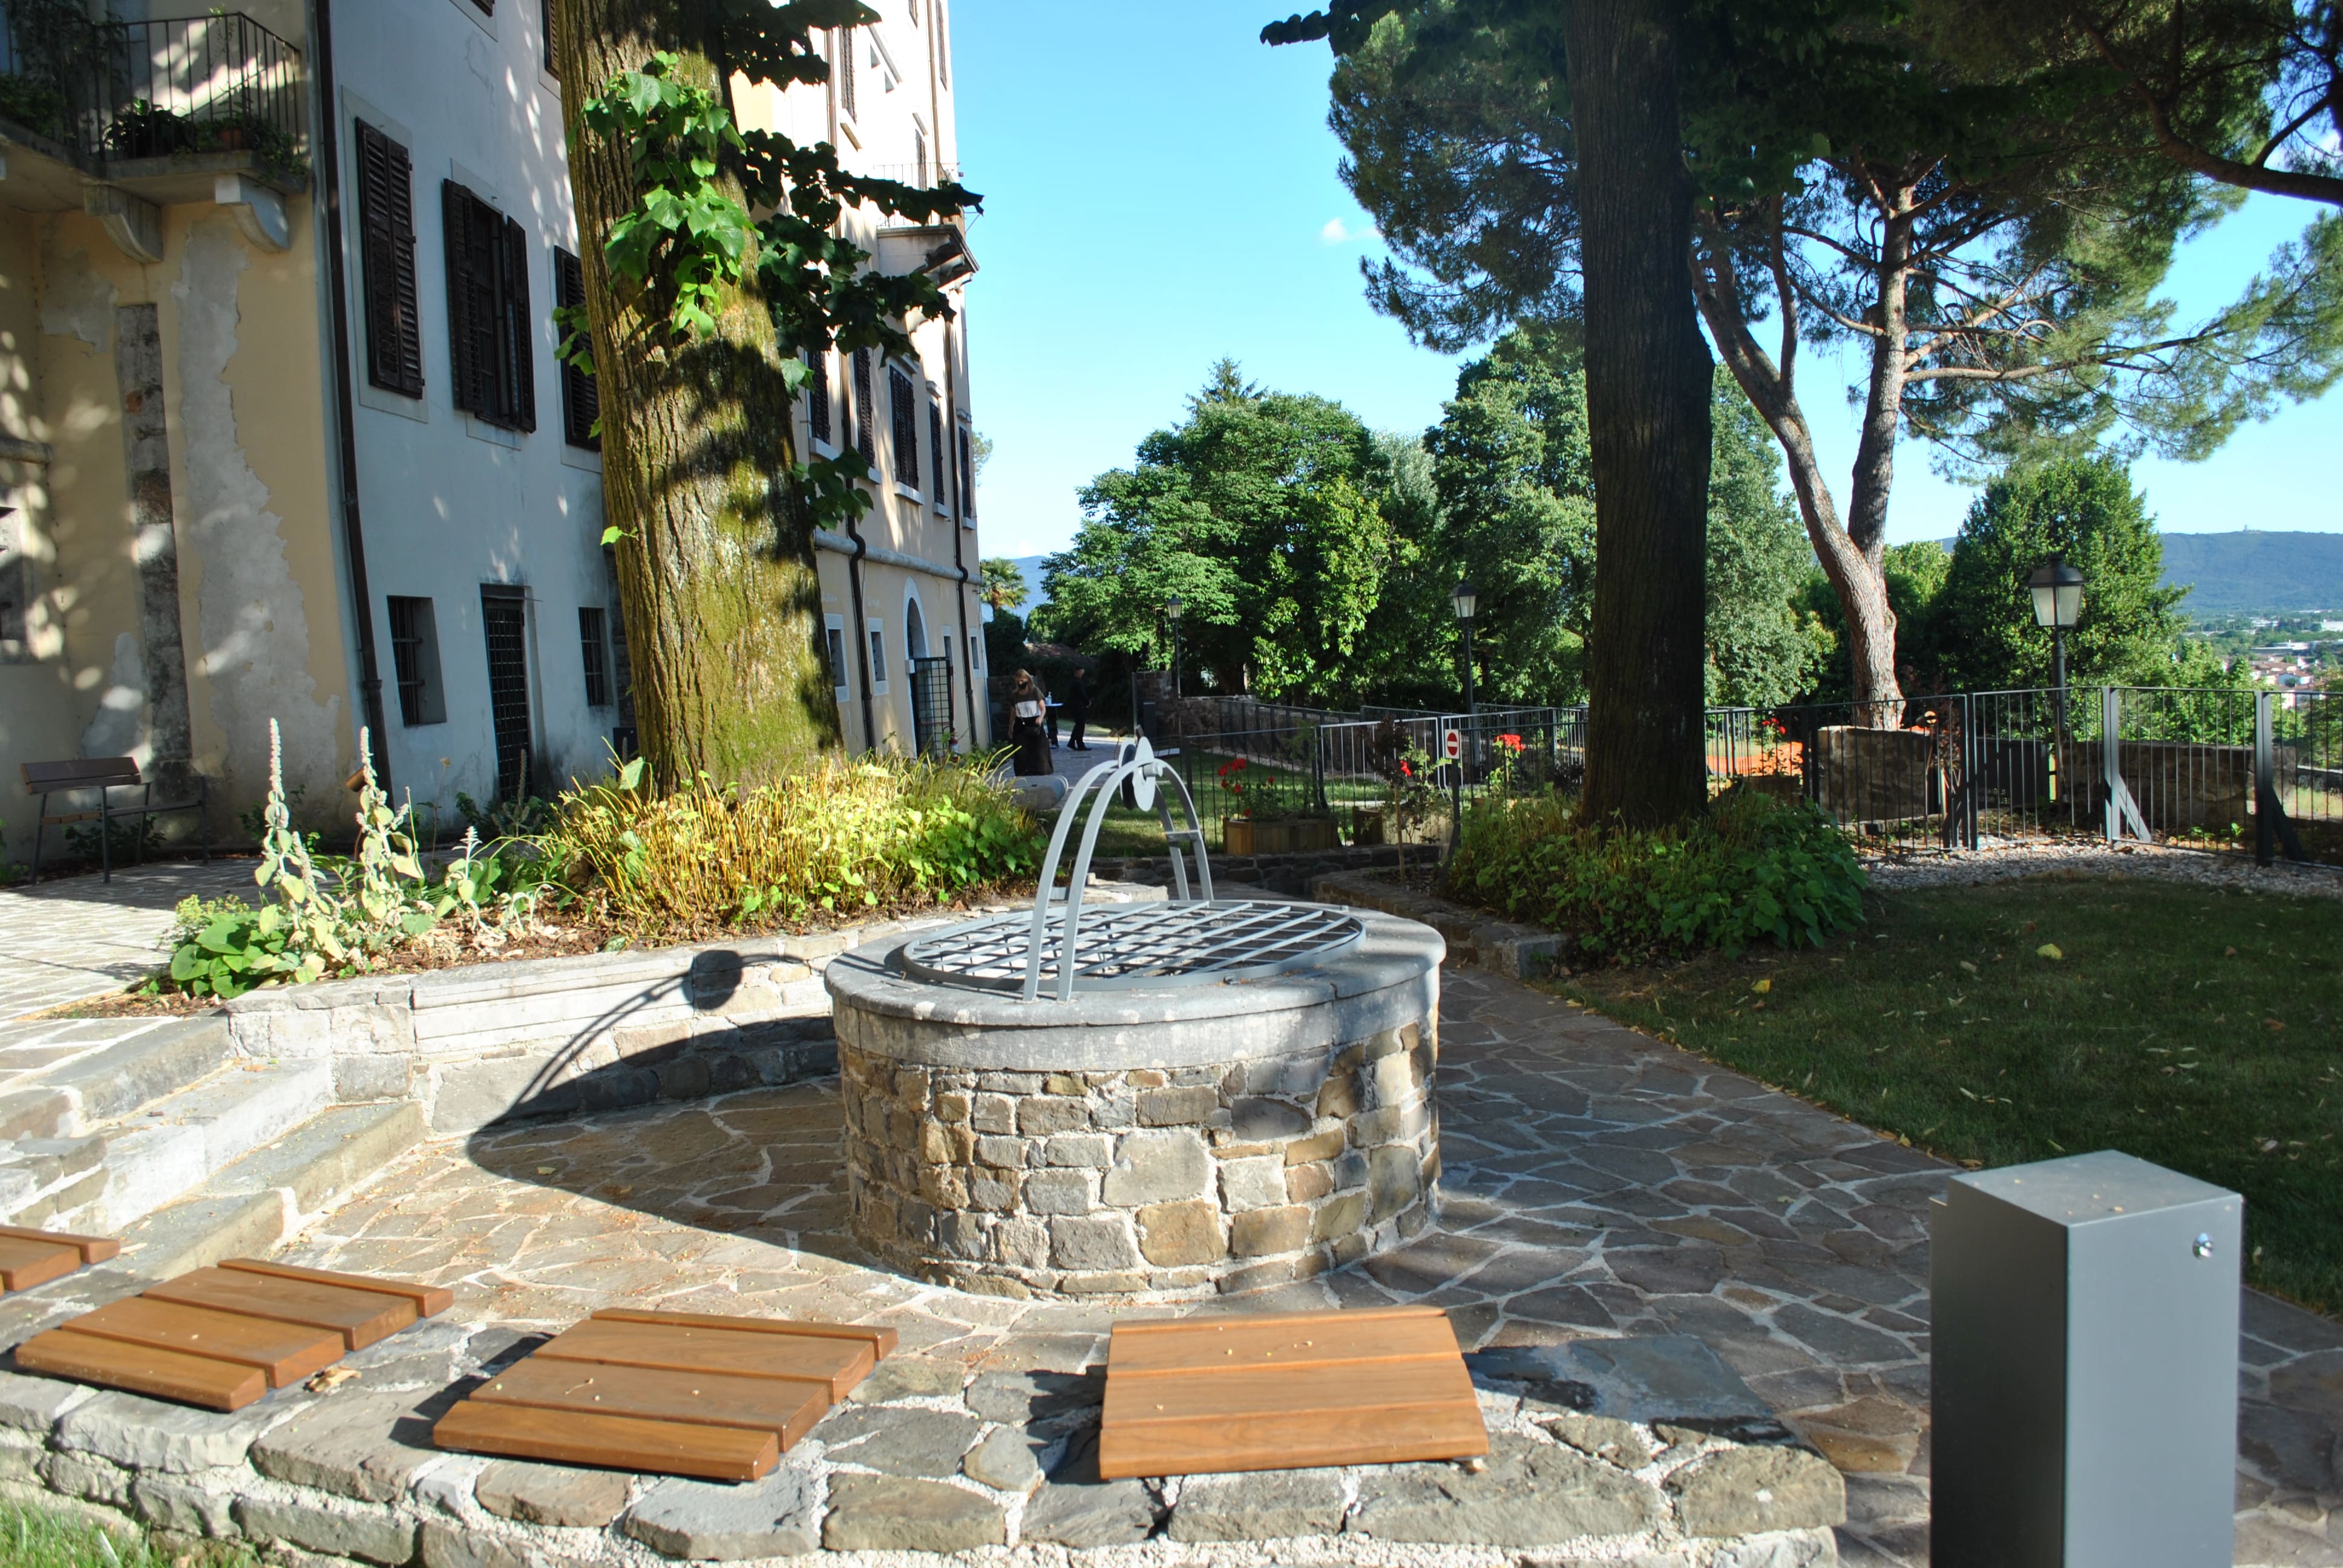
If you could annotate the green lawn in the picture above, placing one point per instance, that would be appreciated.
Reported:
(44, 1538)
(2199, 1028)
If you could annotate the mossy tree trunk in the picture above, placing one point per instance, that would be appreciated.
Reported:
(716, 579)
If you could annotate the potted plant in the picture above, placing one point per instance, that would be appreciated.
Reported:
(146, 130)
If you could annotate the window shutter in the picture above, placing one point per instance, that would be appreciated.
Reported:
(903, 420)
(967, 476)
(519, 333)
(866, 411)
(471, 299)
(818, 395)
(581, 400)
(387, 246)
(935, 448)
(846, 69)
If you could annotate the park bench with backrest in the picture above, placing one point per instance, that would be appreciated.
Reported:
(104, 775)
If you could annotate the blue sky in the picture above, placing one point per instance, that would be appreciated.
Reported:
(1160, 191)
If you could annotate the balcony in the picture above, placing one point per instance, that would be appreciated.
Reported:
(114, 117)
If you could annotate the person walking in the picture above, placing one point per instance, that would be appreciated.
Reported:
(1026, 733)
(1078, 713)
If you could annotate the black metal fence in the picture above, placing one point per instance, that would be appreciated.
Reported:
(216, 83)
(2225, 770)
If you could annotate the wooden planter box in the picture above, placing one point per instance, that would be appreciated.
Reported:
(1285, 836)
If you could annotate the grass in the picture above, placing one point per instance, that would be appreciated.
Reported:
(54, 1538)
(2200, 1028)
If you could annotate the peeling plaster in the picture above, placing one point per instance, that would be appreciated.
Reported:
(251, 621)
(120, 727)
(77, 300)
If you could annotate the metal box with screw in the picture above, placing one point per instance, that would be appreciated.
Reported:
(2085, 1362)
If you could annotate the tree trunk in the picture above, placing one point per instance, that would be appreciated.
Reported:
(1647, 402)
(715, 569)
(1877, 692)
(1770, 385)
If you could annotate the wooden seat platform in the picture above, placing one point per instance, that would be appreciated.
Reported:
(29, 1258)
(1286, 1390)
(222, 1337)
(677, 1393)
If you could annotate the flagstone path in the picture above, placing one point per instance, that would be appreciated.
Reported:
(1597, 1182)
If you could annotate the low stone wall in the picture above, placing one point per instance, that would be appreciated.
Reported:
(1157, 1142)
(1290, 874)
(1517, 951)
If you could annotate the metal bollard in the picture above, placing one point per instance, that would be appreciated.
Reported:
(2085, 1364)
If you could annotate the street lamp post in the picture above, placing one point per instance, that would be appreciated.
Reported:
(1466, 601)
(1171, 613)
(2057, 590)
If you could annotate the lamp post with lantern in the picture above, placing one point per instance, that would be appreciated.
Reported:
(2058, 590)
(1466, 602)
(1171, 613)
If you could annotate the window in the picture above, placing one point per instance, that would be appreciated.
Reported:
(817, 398)
(415, 659)
(594, 638)
(943, 46)
(487, 8)
(877, 656)
(488, 324)
(843, 55)
(936, 447)
(581, 401)
(545, 33)
(866, 412)
(920, 153)
(967, 473)
(386, 245)
(975, 652)
(504, 612)
(903, 407)
(834, 649)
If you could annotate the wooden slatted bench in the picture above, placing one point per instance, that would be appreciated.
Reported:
(222, 1337)
(677, 1393)
(1286, 1390)
(29, 1258)
(105, 775)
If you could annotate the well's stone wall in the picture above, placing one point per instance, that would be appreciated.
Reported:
(1225, 1177)
(1154, 1142)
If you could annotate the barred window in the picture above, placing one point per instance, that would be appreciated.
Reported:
(904, 411)
(414, 658)
(594, 640)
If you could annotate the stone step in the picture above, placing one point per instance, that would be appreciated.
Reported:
(254, 1203)
(181, 1141)
(83, 1096)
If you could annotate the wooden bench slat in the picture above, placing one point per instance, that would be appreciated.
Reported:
(881, 1340)
(1234, 1343)
(839, 1364)
(23, 1265)
(429, 1300)
(284, 1352)
(785, 1407)
(1359, 1388)
(361, 1317)
(80, 773)
(93, 1249)
(1291, 1439)
(610, 1442)
(142, 1369)
(1135, 1327)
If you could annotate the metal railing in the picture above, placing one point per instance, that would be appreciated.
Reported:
(2214, 769)
(218, 83)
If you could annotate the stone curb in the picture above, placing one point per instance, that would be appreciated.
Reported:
(1516, 951)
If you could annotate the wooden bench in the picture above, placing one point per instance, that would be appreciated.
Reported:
(104, 775)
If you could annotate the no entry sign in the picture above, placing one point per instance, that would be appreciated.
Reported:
(1451, 744)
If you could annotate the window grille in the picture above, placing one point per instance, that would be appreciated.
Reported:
(845, 67)
(581, 400)
(931, 705)
(488, 323)
(878, 660)
(935, 448)
(594, 638)
(866, 411)
(817, 396)
(835, 647)
(504, 613)
(902, 407)
(967, 474)
(387, 246)
(415, 660)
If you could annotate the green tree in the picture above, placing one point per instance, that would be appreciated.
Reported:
(1258, 514)
(2086, 510)
(699, 315)
(1004, 584)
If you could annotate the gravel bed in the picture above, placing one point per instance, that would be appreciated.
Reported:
(1968, 867)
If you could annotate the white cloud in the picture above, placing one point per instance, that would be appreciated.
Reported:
(1337, 232)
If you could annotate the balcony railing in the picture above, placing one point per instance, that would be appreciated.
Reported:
(219, 83)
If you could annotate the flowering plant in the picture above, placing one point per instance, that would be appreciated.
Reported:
(1230, 780)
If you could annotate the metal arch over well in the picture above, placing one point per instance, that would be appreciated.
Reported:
(1137, 945)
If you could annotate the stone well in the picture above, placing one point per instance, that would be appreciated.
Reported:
(1156, 1141)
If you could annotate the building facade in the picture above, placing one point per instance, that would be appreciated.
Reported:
(250, 475)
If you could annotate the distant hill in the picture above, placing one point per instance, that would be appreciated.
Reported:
(2254, 573)
(1031, 568)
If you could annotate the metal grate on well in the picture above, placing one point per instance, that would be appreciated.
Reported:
(1130, 946)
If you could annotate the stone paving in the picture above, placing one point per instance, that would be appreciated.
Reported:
(1596, 1182)
(80, 937)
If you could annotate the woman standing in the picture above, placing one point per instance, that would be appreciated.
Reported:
(1025, 728)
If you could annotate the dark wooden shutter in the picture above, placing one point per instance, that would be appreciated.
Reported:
(935, 448)
(517, 359)
(581, 400)
(846, 69)
(471, 299)
(866, 412)
(387, 245)
(967, 476)
(903, 426)
(817, 396)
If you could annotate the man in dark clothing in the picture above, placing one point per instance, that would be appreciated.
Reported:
(1078, 711)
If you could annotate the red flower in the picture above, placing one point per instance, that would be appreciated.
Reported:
(1509, 742)
(1404, 770)
(1230, 766)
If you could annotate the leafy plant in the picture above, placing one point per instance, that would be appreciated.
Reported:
(1753, 868)
(32, 103)
(530, 815)
(127, 840)
(144, 130)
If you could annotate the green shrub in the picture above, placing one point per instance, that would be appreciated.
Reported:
(839, 836)
(127, 840)
(1751, 868)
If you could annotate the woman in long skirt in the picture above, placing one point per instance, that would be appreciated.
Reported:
(1026, 731)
